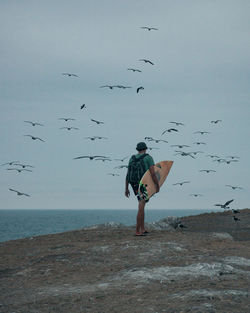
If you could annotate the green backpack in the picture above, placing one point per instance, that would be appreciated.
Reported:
(136, 169)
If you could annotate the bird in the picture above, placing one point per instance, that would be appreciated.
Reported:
(107, 86)
(10, 163)
(70, 75)
(213, 156)
(122, 160)
(234, 187)
(199, 143)
(232, 157)
(95, 137)
(196, 194)
(196, 152)
(182, 153)
(19, 170)
(34, 138)
(139, 88)
(207, 171)
(83, 106)
(169, 130)
(69, 128)
(134, 70)
(34, 123)
(22, 165)
(201, 132)
(236, 219)
(121, 166)
(149, 138)
(66, 119)
(122, 87)
(229, 161)
(216, 121)
(113, 174)
(181, 183)
(103, 159)
(97, 122)
(149, 28)
(177, 123)
(147, 61)
(19, 193)
(153, 148)
(225, 205)
(158, 140)
(91, 157)
(219, 160)
(180, 146)
(180, 225)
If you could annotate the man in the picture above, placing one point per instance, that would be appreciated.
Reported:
(147, 163)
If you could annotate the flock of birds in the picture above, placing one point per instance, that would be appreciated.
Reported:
(180, 148)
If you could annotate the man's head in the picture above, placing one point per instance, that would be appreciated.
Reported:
(141, 146)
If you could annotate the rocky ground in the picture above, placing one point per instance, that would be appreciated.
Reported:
(202, 268)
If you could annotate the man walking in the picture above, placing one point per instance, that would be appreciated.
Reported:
(137, 166)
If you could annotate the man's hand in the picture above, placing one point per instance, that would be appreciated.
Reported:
(127, 193)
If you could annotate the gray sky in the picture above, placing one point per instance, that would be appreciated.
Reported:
(200, 73)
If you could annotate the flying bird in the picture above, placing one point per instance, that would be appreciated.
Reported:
(103, 159)
(201, 132)
(69, 128)
(113, 174)
(66, 119)
(107, 86)
(122, 87)
(34, 138)
(196, 194)
(181, 183)
(10, 163)
(139, 88)
(95, 137)
(213, 156)
(147, 61)
(199, 143)
(97, 122)
(149, 28)
(19, 170)
(177, 123)
(22, 165)
(232, 157)
(236, 219)
(196, 152)
(153, 148)
(216, 121)
(91, 157)
(19, 193)
(182, 153)
(122, 160)
(70, 75)
(180, 146)
(234, 187)
(169, 130)
(235, 211)
(207, 171)
(34, 123)
(83, 106)
(225, 205)
(121, 166)
(134, 70)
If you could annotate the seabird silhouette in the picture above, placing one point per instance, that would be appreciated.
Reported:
(212, 156)
(97, 122)
(19, 170)
(9, 163)
(122, 160)
(225, 205)
(199, 143)
(234, 187)
(122, 87)
(83, 106)
(235, 211)
(19, 193)
(66, 119)
(181, 183)
(201, 132)
(149, 28)
(139, 88)
(196, 152)
(169, 130)
(113, 174)
(34, 138)
(134, 70)
(107, 86)
(69, 128)
(216, 121)
(180, 146)
(121, 166)
(23, 165)
(147, 61)
(91, 157)
(207, 171)
(196, 194)
(182, 153)
(177, 123)
(95, 137)
(34, 123)
(70, 75)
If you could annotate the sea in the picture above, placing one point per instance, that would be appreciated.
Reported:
(18, 224)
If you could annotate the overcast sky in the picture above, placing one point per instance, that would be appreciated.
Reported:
(200, 73)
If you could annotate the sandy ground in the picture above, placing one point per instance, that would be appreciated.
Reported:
(202, 268)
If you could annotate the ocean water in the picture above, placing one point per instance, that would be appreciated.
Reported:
(17, 224)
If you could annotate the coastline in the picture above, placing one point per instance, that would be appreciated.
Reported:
(202, 268)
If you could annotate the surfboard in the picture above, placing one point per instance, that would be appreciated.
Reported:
(147, 186)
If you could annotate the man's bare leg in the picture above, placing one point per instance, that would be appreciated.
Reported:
(140, 228)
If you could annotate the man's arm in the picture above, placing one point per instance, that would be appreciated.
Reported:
(155, 180)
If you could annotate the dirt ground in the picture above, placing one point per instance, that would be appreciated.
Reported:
(202, 268)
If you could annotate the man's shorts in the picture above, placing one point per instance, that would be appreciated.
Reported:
(140, 196)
